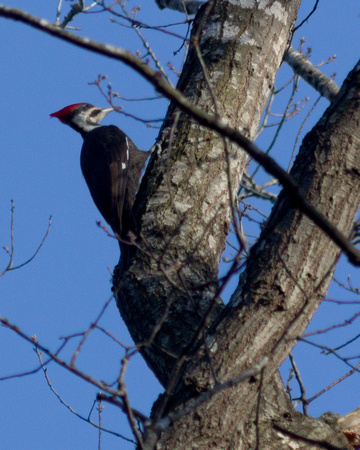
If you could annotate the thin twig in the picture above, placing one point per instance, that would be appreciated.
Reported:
(301, 129)
(127, 407)
(11, 251)
(76, 9)
(305, 402)
(331, 351)
(334, 327)
(38, 249)
(70, 408)
(58, 13)
(148, 48)
(291, 187)
(100, 408)
(87, 332)
(334, 383)
(307, 17)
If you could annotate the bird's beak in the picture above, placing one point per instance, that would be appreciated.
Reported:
(104, 112)
(107, 110)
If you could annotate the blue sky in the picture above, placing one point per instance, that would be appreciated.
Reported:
(64, 288)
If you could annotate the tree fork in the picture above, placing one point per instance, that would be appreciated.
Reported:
(183, 203)
(285, 280)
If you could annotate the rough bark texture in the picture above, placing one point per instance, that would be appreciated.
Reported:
(184, 212)
(184, 208)
(350, 425)
(286, 277)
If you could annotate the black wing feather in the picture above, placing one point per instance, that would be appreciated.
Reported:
(112, 166)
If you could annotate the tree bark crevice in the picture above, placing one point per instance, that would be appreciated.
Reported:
(197, 236)
(289, 268)
(287, 274)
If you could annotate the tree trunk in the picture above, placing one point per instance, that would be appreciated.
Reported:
(183, 208)
(168, 296)
(286, 277)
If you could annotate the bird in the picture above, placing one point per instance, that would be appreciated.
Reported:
(111, 165)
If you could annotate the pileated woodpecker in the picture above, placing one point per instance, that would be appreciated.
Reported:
(111, 164)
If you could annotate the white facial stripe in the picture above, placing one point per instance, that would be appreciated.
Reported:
(127, 148)
(81, 120)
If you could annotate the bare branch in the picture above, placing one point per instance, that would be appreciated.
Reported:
(11, 251)
(38, 249)
(307, 71)
(213, 122)
(58, 13)
(149, 50)
(62, 401)
(87, 332)
(307, 17)
(54, 357)
(345, 323)
(303, 398)
(334, 383)
(76, 9)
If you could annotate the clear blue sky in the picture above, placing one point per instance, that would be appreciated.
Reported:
(64, 288)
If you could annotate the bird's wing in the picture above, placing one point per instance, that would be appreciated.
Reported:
(118, 170)
(105, 165)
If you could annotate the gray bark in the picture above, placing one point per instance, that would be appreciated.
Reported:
(168, 297)
(308, 72)
(183, 204)
(183, 212)
(286, 277)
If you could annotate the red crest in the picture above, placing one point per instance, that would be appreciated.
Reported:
(63, 114)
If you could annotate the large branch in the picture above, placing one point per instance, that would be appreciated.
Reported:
(286, 277)
(184, 203)
(211, 121)
(187, 155)
(308, 72)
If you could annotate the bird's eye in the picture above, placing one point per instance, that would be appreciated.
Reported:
(94, 113)
(85, 106)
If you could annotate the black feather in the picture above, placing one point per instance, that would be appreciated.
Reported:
(112, 166)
